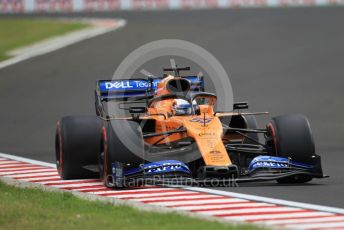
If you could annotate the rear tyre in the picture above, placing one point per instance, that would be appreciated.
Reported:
(251, 123)
(243, 122)
(291, 137)
(77, 145)
(121, 142)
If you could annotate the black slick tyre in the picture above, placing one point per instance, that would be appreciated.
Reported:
(292, 138)
(121, 142)
(77, 146)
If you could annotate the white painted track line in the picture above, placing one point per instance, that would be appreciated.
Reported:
(23, 159)
(303, 220)
(248, 210)
(269, 200)
(275, 216)
(58, 42)
(315, 225)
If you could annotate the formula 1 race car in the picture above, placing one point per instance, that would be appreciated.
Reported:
(172, 133)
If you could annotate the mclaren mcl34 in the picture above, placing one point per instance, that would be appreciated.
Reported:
(169, 131)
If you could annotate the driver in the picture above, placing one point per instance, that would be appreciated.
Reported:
(182, 107)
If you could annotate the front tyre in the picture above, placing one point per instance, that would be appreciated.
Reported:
(291, 137)
(121, 143)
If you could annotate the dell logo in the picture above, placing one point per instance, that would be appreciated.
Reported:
(118, 85)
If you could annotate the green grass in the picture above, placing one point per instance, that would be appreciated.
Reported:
(15, 33)
(35, 209)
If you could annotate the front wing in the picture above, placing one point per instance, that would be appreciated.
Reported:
(175, 173)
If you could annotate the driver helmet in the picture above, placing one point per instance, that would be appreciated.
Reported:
(182, 107)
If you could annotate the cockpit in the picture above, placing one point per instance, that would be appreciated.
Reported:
(185, 105)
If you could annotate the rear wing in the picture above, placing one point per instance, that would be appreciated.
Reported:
(108, 90)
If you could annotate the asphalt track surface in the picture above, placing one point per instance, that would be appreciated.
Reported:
(280, 60)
